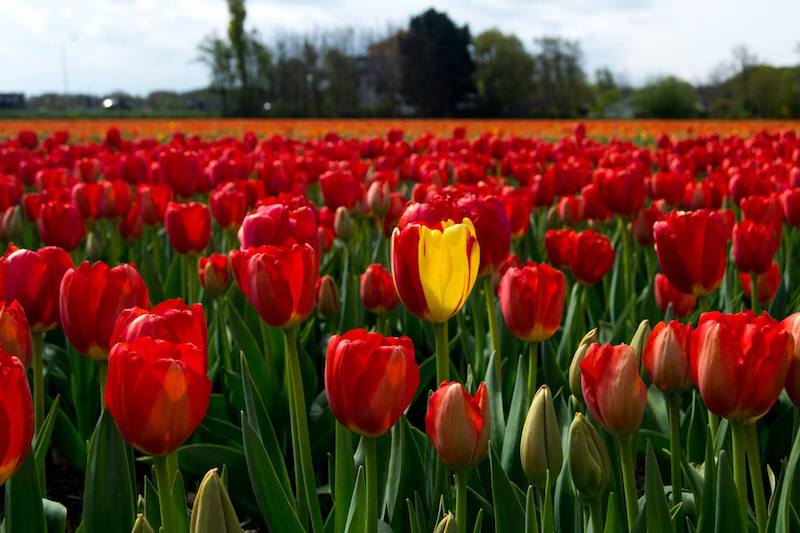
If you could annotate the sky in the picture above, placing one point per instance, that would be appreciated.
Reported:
(98, 46)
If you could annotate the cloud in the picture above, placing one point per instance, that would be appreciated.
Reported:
(142, 45)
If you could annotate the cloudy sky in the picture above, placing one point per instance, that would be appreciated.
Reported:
(142, 45)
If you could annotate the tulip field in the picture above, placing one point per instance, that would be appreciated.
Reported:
(363, 328)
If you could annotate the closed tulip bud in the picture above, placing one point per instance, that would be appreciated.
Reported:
(377, 290)
(446, 524)
(639, 340)
(343, 224)
(60, 224)
(592, 257)
(458, 424)
(612, 388)
(142, 525)
(532, 300)
(94, 247)
(188, 226)
(328, 301)
(15, 334)
(682, 304)
(213, 510)
(378, 197)
(666, 356)
(589, 461)
(214, 273)
(16, 408)
(13, 223)
(369, 380)
(575, 365)
(540, 445)
(754, 245)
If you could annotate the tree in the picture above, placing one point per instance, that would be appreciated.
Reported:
(436, 64)
(560, 87)
(667, 97)
(503, 75)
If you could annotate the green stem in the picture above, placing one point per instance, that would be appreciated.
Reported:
(533, 363)
(192, 281)
(343, 486)
(675, 447)
(494, 333)
(102, 371)
(38, 378)
(754, 292)
(756, 477)
(442, 353)
(371, 465)
(461, 501)
(628, 480)
(596, 511)
(301, 444)
(165, 476)
(626, 257)
(480, 336)
(713, 425)
(739, 470)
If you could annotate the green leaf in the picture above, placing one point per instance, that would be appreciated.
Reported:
(729, 516)
(55, 514)
(548, 524)
(344, 475)
(42, 440)
(613, 519)
(531, 523)
(784, 510)
(152, 510)
(413, 518)
(356, 515)
(496, 415)
(707, 506)
(478, 521)
(275, 506)
(108, 499)
(508, 512)
(23, 501)
(516, 418)
(656, 508)
(69, 441)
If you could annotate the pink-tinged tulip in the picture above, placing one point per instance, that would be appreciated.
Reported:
(682, 304)
(458, 424)
(16, 413)
(666, 356)
(532, 300)
(277, 224)
(612, 388)
(790, 202)
(740, 362)
(15, 334)
(91, 299)
(369, 380)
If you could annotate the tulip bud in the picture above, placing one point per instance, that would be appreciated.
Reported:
(343, 224)
(575, 366)
(142, 525)
(639, 340)
(589, 462)
(666, 356)
(328, 301)
(213, 273)
(551, 219)
(13, 223)
(213, 511)
(94, 247)
(446, 524)
(378, 197)
(540, 446)
(458, 424)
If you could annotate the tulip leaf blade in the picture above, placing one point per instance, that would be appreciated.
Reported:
(356, 514)
(613, 522)
(531, 523)
(55, 515)
(656, 508)
(784, 509)
(24, 511)
(729, 516)
(275, 506)
(42, 440)
(108, 488)
(496, 415)
(508, 511)
(516, 418)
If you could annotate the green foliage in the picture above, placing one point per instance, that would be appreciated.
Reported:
(668, 97)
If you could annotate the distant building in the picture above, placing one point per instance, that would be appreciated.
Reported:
(12, 101)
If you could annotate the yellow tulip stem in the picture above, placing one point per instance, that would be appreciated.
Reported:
(494, 333)
(442, 352)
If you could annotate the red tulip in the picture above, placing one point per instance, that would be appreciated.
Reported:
(621, 190)
(612, 388)
(740, 362)
(754, 245)
(340, 188)
(491, 227)
(532, 300)
(768, 283)
(91, 299)
(790, 201)
(214, 273)
(593, 206)
(181, 171)
(642, 224)
(278, 281)
(682, 304)
(570, 209)
(115, 198)
(592, 257)
(170, 320)
(60, 224)
(666, 356)
(16, 412)
(558, 243)
(229, 206)
(15, 334)
(369, 380)
(153, 201)
(131, 224)
(87, 197)
(692, 250)
(517, 203)
(33, 279)
(762, 209)
(377, 290)
(792, 324)
(188, 226)
(458, 424)
(278, 224)
(157, 392)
